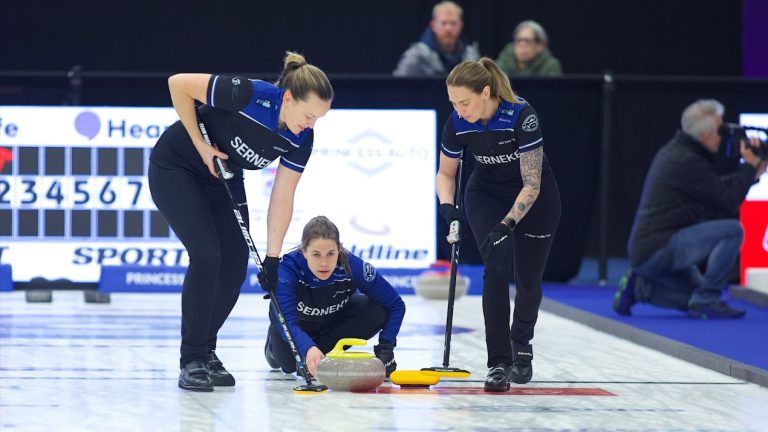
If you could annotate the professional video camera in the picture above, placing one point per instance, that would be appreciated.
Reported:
(733, 133)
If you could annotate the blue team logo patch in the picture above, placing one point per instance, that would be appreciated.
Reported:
(531, 123)
(369, 272)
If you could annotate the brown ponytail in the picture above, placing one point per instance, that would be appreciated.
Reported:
(475, 75)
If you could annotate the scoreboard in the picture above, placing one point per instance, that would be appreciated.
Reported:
(74, 193)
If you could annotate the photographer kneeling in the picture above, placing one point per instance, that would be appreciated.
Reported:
(686, 216)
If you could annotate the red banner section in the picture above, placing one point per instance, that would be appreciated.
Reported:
(754, 250)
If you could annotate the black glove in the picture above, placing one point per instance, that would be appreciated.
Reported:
(449, 213)
(268, 274)
(495, 247)
(384, 352)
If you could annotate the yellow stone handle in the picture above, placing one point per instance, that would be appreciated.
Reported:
(338, 350)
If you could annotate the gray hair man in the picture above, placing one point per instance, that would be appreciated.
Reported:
(686, 216)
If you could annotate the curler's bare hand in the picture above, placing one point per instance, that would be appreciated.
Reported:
(207, 153)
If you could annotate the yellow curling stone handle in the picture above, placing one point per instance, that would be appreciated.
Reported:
(338, 350)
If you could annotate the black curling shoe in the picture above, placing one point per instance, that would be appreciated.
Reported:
(195, 376)
(498, 378)
(522, 369)
(219, 375)
(271, 360)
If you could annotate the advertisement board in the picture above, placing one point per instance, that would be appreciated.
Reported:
(754, 219)
(74, 193)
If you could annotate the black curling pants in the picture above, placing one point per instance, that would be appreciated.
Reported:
(485, 207)
(200, 213)
(361, 318)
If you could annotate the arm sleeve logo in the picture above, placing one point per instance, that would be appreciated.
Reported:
(369, 272)
(531, 123)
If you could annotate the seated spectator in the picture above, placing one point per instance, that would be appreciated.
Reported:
(686, 216)
(441, 46)
(527, 54)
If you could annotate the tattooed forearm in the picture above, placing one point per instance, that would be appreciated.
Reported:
(530, 170)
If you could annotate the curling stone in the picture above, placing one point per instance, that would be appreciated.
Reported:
(350, 370)
(38, 296)
(433, 284)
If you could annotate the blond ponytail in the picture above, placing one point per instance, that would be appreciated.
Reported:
(303, 79)
(475, 75)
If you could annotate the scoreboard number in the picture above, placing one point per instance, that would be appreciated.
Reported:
(75, 192)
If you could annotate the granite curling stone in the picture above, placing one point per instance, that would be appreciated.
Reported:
(434, 284)
(350, 370)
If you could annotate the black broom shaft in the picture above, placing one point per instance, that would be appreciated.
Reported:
(451, 297)
(272, 298)
(454, 270)
(299, 362)
(254, 254)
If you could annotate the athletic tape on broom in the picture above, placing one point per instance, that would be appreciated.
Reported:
(134, 278)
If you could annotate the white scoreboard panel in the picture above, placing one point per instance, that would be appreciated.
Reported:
(74, 193)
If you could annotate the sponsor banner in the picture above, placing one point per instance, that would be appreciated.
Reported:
(131, 278)
(22, 126)
(6, 278)
(754, 211)
(372, 172)
(83, 260)
(754, 249)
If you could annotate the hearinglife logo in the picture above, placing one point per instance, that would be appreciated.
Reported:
(88, 124)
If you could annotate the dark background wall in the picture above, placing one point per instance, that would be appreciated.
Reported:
(690, 37)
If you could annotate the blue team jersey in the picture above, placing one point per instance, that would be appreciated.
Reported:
(243, 122)
(496, 147)
(241, 118)
(304, 297)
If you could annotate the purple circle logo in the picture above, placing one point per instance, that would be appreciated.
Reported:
(87, 124)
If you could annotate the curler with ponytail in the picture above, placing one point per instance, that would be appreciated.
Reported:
(303, 79)
(475, 75)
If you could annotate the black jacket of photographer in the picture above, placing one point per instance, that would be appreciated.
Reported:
(683, 188)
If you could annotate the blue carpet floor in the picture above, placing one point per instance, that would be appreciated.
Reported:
(744, 340)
